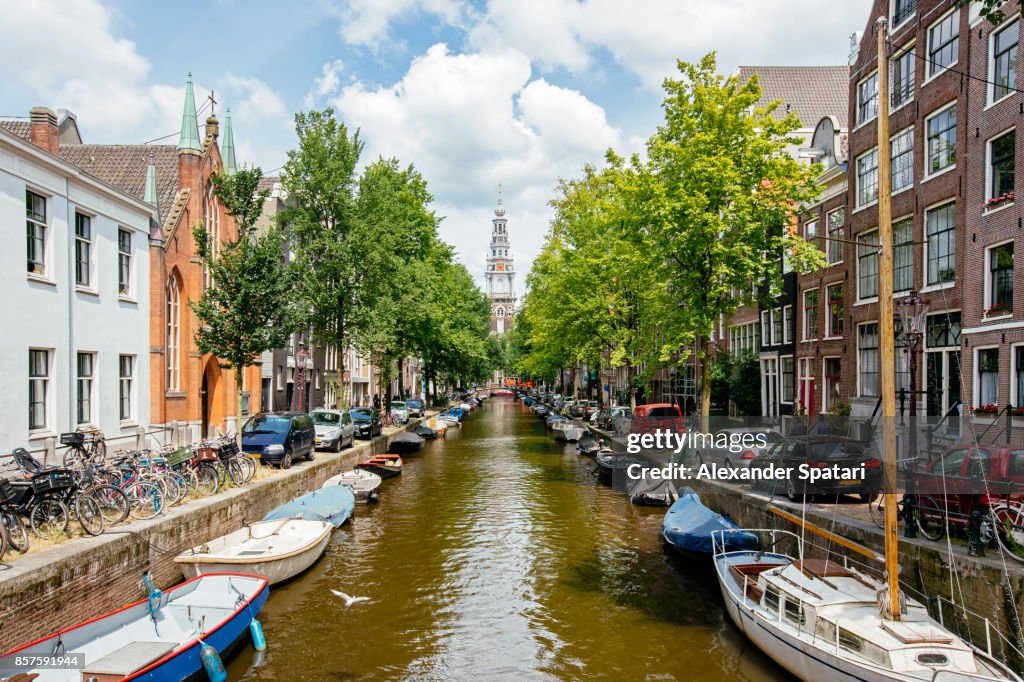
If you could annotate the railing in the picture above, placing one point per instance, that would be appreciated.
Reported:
(1006, 429)
(902, 13)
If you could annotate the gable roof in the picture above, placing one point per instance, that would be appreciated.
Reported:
(19, 128)
(124, 166)
(812, 92)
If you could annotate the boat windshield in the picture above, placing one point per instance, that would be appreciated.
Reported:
(272, 424)
(326, 418)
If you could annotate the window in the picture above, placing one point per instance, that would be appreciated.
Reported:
(126, 383)
(788, 379)
(943, 43)
(83, 401)
(83, 246)
(810, 231)
(172, 348)
(903, 254)
(867, 360)
(867, 178)
(211, 221)
(901, 146)
(833, 382)
(38, 386)
(771, 598)
(806, 385)
(776, 327)
(1001, 164)
(943, 330)
(1000, 279)
(902, 10)
(1019, 369)
(810, 331)
(35, 209)
(902, 78)
(766, 337)
(941, 147)
(836, 222)
(124, 262)
(794, 613)
(835, 310)
(867, 99)
(940, 224)
(787, 324)
(867, 265)
(988, 376)
(1004, 61)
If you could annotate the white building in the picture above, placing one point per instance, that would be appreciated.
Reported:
(500, 275)
(75, 347)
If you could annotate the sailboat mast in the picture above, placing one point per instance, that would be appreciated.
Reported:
(887, 338)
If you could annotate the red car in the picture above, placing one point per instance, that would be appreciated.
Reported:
(665, 416)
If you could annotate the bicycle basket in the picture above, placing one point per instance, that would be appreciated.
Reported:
(205, 454)
(228, 451)
(7, 491)
(179, 456)
(52, 480)
(74, 439)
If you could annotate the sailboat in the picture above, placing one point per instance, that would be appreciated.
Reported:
(821, 619)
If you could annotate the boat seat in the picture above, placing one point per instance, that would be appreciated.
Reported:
(123, 662)
(822, 568)
(746, 578)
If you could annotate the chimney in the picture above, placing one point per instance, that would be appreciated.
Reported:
(43, 130)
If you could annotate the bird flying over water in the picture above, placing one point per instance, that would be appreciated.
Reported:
(349, 601)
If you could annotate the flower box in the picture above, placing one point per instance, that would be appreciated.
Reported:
(995, 201)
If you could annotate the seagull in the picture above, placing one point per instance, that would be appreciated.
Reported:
(349, 601)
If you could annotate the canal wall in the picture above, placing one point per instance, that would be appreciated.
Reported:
(71, 582)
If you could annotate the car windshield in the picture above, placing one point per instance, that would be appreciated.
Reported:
(414, 403)
(397, 405)
(271, 424)
(361, 414)
(663, 412)
(326, 418)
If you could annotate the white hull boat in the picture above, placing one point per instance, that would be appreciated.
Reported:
(439, 426)
(568, 431)
(364, 484)
(277, 549)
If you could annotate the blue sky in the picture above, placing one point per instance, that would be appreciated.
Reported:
(471, 92)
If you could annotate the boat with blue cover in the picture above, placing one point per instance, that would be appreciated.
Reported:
(333, 504)
(688, 526)
(158, 638)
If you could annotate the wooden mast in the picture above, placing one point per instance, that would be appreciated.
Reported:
(887, 338)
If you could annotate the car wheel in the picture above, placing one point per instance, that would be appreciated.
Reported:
(728, 463)
(311, 454)
(286, 461)
(791, 492)
(338, 443)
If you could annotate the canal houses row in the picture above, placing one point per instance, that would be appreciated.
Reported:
(954, 108)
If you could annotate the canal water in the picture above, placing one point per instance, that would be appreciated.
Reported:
(497, 556)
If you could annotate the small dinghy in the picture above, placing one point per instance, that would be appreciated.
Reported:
(158, 638)
(407, 443)
(554, 419)
(568, 431)
(589, 445)
(425, 432)
(438, 426)
(363, 483)
(332, 505)
(608, 462)
(278, 549)
(384, 466)
(688, 526)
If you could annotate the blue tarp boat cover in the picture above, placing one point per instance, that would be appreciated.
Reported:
(333, 504)
(688, 525)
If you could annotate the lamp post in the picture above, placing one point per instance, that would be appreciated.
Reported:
(300, 378)
(911, 313)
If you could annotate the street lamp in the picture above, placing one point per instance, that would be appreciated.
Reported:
(300, 377)
(911, 313)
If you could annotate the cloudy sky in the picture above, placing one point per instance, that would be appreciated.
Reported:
(470, 91)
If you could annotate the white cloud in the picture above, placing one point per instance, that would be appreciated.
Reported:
(469, 120)
(326, 83)
(368, 22)
(252, 99)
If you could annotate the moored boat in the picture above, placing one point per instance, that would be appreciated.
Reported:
(278, 549)
(364, 484)
(608, 462)
(425, 432)
(155, 639)
(327, 504)
(385, 466)
(437, 425)
(688, 526)
(568, 431)
(407, 443)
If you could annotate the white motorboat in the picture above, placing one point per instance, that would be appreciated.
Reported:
(277, 549)
(567, 431)
(440, 426)
(821, 621)
(363, 483)
(451, 422)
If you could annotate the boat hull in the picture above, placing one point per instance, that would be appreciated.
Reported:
(334, 505)
(364, 484)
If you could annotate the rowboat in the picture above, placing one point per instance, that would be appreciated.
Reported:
(363, 484)
(278, 549)
(407, 443)
(135, 643)
(688, 525)
(608, 462)
(334, 505)
(438, 426)
(567, 431)
(384, 466)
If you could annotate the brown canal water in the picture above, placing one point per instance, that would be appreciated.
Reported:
(497, 556)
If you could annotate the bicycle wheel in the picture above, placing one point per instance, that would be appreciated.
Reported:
(876, 510)
(236, 472)
(90, 517)
(4, 543)
(49, 518)
(190, 480)
(74, 456)
(931, 519)
(17, 534)
(146, 498)
(180, 486)
(1009, 521)
(209, 481)
(248, 468)
(113, 503)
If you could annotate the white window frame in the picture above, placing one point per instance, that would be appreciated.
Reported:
(860, 102)
(828, 237)
(857, 178)
(924, 151)
(909, 130)
(991, 85)
(892, 15)
(787, 324)
(47, 402)
(1016, 398)
(861, 298)
(92, 380)
(803, 313)
(782, 380)
(878, 353)
(766, 328)
(47, 227)
(909, 245)
(924, 249)
(928, 62)
(824, 378)
(89, 242)
(172, 334)
(988, 170)
(132, 379)
(900, 54)
(976, 392)
(129, 290)
(828, 312)
(987, 289)
(804, 379)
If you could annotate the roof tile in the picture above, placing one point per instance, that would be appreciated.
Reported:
(812, 92)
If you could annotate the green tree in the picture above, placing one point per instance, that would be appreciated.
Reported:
(248, 308)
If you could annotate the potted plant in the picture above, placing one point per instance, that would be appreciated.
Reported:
(995, 201)
(986, 414)
(1017, 416)
(997, 309)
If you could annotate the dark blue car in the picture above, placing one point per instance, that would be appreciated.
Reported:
(279, 438)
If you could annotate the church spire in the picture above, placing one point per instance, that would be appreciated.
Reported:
(227, 148)
(500, 211)
(189, 139)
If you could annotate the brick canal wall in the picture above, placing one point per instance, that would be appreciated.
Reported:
(46, 591)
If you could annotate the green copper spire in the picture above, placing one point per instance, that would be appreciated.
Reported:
(227, 149)
(189, 128)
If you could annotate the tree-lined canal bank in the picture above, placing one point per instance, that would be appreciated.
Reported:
(496, 555)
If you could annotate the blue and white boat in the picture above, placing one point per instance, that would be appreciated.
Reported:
(159, 638)
(333, 504)
(688, 526)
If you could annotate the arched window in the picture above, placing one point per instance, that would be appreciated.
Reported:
(172, 348)
(211, 221)
(500, 312)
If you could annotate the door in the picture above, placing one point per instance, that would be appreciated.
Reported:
(943, 382)
(203, 394)
(770, 387)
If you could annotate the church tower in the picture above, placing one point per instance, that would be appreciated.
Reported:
(500, 274)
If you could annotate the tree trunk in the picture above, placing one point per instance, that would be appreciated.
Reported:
(705, 385)
(339, 398)
(238, 405)
(401, 378)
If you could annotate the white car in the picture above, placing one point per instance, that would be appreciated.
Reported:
(400, 411)
(334, 429)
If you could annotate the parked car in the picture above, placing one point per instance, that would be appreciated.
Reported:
(738, 457)
(416, 407)
(591, 409)
(648, 418)
(606, 418)
(367, 421)
(400, 412)
(820, 452)
(334, 429)
(279, 438)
